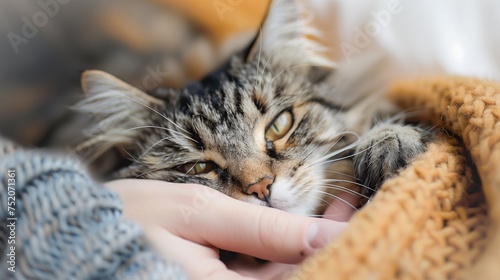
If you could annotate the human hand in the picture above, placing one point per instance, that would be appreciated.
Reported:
(187, 223)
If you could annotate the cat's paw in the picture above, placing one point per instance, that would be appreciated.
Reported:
(384, 150)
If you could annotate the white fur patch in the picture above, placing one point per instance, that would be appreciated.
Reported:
(283, 197)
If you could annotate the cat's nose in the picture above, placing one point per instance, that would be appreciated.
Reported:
(262, 188)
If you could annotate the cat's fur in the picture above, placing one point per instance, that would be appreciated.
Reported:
(224, 120)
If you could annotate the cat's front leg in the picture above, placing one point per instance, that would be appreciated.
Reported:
(384, 150)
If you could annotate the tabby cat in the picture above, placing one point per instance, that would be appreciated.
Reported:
(271, 128)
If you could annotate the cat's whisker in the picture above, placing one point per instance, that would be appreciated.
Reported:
(341, 173)
(265, 65)
(395, 118)
(161, 168)
(341, 150)
(260, 47)
(338, 138)
(347, 181)
(153, 110)
(162, 128)
(340, 212)
(97, 152)
(357, 153)
(344, 189)
(306, 191)
(326, 201)
(288, 67)
(335, 153)
(343, 158)
(149, 172)
(408, 113)
(337, 198)
(152, 146)
(189, 170)
(329, 148)
(130, 155)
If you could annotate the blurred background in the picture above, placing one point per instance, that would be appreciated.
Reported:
(45, 44)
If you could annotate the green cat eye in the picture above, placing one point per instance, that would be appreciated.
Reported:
(196, 168)
(280, 126)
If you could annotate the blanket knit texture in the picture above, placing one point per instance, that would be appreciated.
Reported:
(439, 218)
(68, 226)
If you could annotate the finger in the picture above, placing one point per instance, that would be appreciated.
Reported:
(198, 261)
(259, 231)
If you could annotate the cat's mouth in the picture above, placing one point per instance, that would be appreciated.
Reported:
(269, 204)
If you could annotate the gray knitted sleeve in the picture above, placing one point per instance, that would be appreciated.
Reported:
(65, 226)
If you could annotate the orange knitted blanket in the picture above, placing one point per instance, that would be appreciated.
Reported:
(439, 218)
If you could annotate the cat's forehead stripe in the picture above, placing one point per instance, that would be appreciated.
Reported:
(326, 103)
(196, 137)
(238, 101)
(260, 103)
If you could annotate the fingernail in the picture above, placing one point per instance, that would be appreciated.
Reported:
(321, 233)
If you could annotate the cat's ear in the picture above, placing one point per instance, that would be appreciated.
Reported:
(100, 85)
(119, 110)
(288, 38)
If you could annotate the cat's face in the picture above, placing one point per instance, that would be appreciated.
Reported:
(258, 137)
(262, 133)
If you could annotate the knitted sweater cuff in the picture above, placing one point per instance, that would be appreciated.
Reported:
(62, 225)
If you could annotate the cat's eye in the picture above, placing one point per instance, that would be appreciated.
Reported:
(280, 126)
(196, 168)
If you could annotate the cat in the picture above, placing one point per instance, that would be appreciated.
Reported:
(271, 128)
